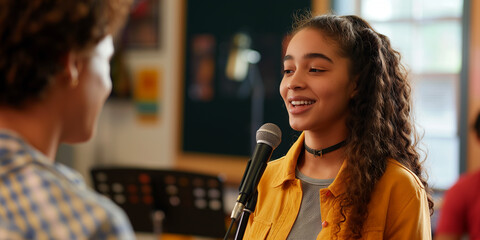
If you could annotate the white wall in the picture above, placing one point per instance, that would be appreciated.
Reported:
(121, 139)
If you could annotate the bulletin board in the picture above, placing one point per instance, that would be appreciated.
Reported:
(222, 113)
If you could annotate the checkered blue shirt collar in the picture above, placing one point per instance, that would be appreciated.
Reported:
(12, 144)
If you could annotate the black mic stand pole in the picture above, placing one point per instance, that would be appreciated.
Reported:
(233, 220)
(242, 223)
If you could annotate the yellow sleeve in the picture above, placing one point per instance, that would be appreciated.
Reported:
(410, 220)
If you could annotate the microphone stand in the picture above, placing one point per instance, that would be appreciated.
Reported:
(249, 207)
(242, 224)
(257, 102)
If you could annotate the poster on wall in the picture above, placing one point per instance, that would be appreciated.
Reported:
(147, 95)
(202, 68)
(142, 30)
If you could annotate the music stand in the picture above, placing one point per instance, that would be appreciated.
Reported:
(192, 203)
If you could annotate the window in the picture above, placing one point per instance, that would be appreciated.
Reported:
(428, 34)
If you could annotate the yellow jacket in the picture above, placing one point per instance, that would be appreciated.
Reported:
(398, 208)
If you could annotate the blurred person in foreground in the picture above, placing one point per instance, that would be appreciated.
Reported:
(54, 80)
(355, 171)
(460, 212)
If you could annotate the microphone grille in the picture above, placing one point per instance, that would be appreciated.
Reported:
(269, 134)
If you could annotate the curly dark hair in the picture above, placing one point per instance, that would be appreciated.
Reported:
(380, 121)
(35, 35)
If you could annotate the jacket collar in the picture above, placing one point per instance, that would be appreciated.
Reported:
(287, 169)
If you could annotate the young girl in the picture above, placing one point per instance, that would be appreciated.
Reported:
(354, 172)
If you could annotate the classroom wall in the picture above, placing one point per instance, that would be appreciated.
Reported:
(122, 139)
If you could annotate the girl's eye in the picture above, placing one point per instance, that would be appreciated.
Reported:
(286, 71)
(317, 70)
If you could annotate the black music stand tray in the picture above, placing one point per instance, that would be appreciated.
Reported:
(192, 203)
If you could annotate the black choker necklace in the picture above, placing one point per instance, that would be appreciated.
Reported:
(325, 150)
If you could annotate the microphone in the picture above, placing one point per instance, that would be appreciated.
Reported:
(268, 138)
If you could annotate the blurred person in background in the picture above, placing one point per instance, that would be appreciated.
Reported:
(54, 80)
(460, 211)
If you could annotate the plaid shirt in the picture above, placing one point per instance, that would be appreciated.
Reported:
(43, 200)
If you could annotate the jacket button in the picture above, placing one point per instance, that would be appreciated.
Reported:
(324, 224)
(328, 193)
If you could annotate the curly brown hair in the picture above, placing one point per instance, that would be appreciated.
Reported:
(35, 35)
(380, 121)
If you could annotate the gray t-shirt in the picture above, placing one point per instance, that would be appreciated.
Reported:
(309, 220)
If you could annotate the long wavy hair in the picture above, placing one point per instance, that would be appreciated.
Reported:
(380, 121)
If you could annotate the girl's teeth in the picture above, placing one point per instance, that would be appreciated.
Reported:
(296, 103)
